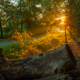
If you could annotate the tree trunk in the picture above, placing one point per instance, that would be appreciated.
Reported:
(29, 24)
(21, 16)
(21, 25)
(35, 18)
(1, 30)
(38, 66)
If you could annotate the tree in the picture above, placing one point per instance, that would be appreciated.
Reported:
(30, 12)
(72, 14)
(1, 30)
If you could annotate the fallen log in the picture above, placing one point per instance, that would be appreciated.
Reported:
(38, 66)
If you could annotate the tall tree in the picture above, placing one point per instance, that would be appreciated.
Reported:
(30, 12)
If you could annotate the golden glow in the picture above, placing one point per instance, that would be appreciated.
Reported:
(62, 19)
(62, 31)
(62, 22)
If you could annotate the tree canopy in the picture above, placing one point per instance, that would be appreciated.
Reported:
(30, 14)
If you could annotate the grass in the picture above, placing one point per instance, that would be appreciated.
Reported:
(7, 48)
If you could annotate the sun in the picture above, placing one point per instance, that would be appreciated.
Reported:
(62, 22)
(62, 19)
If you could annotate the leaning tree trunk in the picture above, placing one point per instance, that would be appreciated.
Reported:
(38, 66)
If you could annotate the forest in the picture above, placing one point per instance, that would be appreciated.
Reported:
(39, 39)
(31, 27)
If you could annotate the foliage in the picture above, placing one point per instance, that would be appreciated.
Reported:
(34, 46)
(26, 50)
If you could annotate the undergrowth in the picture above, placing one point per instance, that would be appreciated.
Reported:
(34, 46)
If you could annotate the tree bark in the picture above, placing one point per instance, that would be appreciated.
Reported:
(1, 30)
(21, 16)
(38, 66)
(21, 24)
